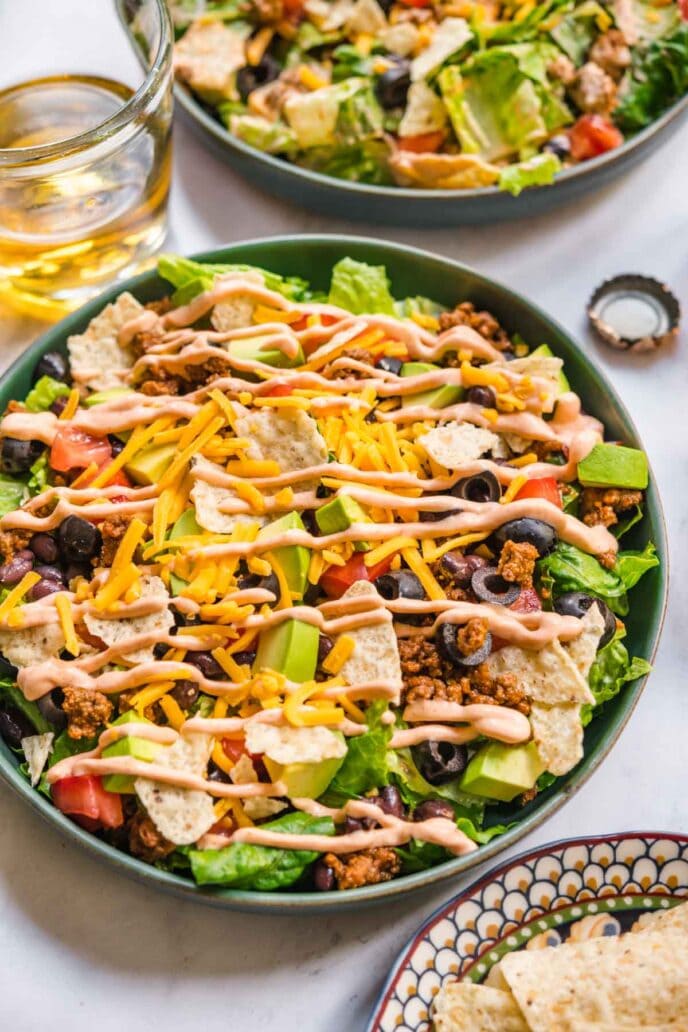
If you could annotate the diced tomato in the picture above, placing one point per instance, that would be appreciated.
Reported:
(292, 8)
(541, 487)
(233, 748)
(593, 135)
(527, 602)
(84, 798)
(280, 390)
(75, 449)
(337, 579)
(416, 3)
(683, 7)
(424, 142)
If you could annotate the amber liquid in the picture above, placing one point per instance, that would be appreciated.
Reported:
(67, 227)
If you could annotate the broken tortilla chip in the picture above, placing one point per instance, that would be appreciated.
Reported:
(28, 645)
(457, 444)
(37, 749)
(548, 676)
(466, 1007)
(182, 815)
(558, 734)
(117, 632)
(289, 437)
(96, 358)
(208, 500)
(376, 652)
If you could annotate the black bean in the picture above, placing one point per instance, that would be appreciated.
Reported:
(185, 694)
(325, 646)
(431, 808)
(53, 364)
(216, 773)
(527, 529)
(50, 572)
(116, 444)
(58, 406)
(44, 547)
(351, 825)
(78, 539)
(488, 586)
(390, 801)
(14, 726)
(42, 588)
(323, 877)
(13, 571)
(207, 665)
(250, 77)
(19, 456)
(244, 658)
(270, 583)
(392, 86)
(440, 762)
(484, 396)
(460, 568)
(74, 570)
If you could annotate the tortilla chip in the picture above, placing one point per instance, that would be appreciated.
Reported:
(28, 645)
(207, 58)
(633, 980)
(289, 437)
(558, 733)
(465, 1007)
(442, 171)
(456, 444)
(549, 676)
(257, 808)
(182, 815)
(583, 649)
(96, 358)
(376, 654)
(116, 632)
(496, 979)
(675, 918)
(285, 744)
(546, 367)
(208, 499)
(37, 749)
(598, 1026)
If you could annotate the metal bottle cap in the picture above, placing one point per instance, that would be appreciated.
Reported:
(634, 313)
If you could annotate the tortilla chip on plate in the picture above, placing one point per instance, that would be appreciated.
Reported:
(466, 1007)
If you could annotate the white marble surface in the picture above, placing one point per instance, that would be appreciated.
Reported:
(83, 947)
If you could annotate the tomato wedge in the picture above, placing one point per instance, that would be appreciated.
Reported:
(84, 798)
(75, 449)
(541, 487)
(593, 135)
(233, 748)
(527, 602)
(424, 142)
(337, 579)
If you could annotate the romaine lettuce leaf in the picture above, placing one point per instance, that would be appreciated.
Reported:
(577, 31)
(44, 392)
(366, 762)
(539, 170)
(269, 137)
(263, 868)
(611, 670)
(418, 305)
(360, 288)
(39, 475)
(191, 278)
(344, 113)
(364, 162)
(570, 569)
(659, 77)
(12, 493)
(631, 565)
(414, 788)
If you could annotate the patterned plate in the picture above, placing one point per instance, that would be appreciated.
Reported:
(565, 890)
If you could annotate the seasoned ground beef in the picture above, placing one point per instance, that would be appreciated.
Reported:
(346, 373)
(483, 323)
(607, 559)
(112, 530)
(158, 380)
(471, 636)
(154, 388)
(143, 341)
(145, 841)
(427, 675)
(369, 867)
(550, 451)
(517, 563)
(445, 579)
(604, 505)
(611, 52)
(13, 541)
(86, 711)
(160, 307)
(528, 796)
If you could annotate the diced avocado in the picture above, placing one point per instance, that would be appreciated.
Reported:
(305, 780)
(185, 525)
(100, 397)
(139, 748)
(545, 349)
(499, 771)
(248, 349)
(149, 465)
(613, 465)
(289, 648)
(294, 559)
(340, 514)
(438, 397)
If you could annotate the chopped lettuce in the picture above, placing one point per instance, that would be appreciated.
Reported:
(261, 868)
(266, 136)
(364, 162)
(570, 569)
(39, 475)
(576, 32)
(659, 77)
(539, 170)
(12, 494)
(345, 112)
(191, 278)
(63, 746)
(611, 670)
(450, 38)
(418, 305)
(365, 765)
(361, 288)
(44, 392)
(414, 788)
(349, 62)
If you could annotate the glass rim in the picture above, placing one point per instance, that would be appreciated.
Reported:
(119, 119)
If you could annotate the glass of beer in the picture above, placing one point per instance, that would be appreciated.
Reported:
(85, 121)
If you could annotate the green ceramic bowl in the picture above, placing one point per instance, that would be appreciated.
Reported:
(412, 272)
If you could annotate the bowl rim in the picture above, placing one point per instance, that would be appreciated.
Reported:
(290, 902)
(485, 879)
(196, 111)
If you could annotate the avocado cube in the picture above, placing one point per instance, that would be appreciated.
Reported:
(304, 780)
(248, 349)
(499, 771)
(149, 465)
(545, 349)
(185, 525)
(438, 397)
(339, 514)
(613, 465)
(294, 559)
(100, 397)
(289, 648)
(138, 748)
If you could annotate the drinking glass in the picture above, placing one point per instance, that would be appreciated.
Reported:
(85, 122)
